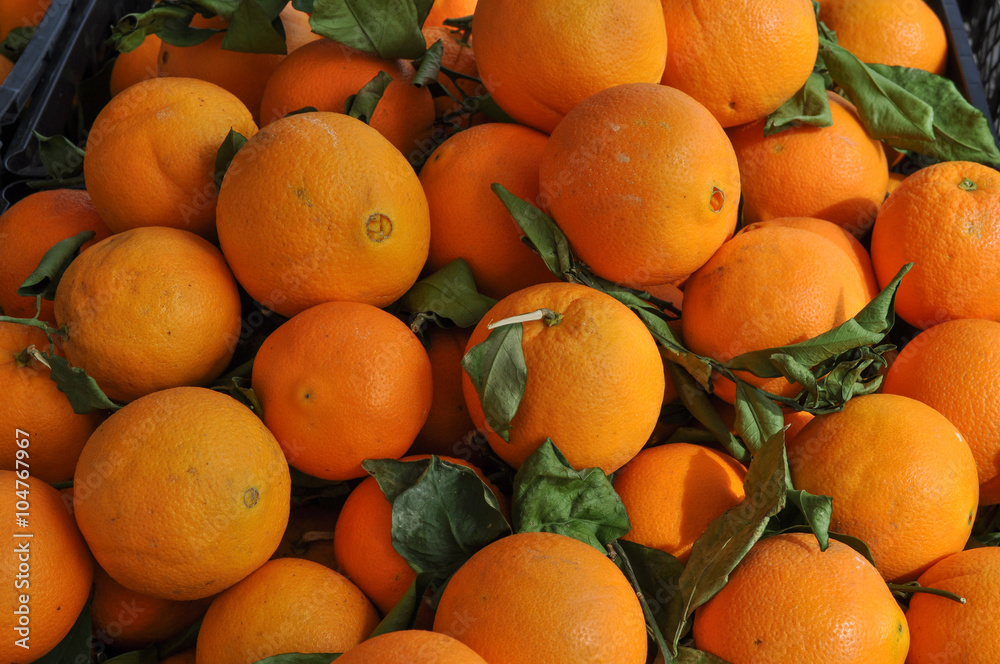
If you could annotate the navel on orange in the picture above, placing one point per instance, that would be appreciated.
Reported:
(182, 493)
(321, 207)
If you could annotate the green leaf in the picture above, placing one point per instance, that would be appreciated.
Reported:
(61, 158)
(656, 322)
(486, 104)
(856, 544)
(498, 372)
(728, 538)
(961, 131)
(17, 40)
(809, 106)
(404, 614)
(986, 539)
(255, 28)
(239, 388)
(145, 656)
(543, 235)
(817, 511)
(186, 640)
(388, 28)
(887, 110)
(45, 279)
(449, 293)
(868, 327)
(551, 496)
(300, 658)
(231, 144)
(444, 516)
(463, 23)
(394, 477)
(429, 65)
(82, 391)
(169, 20)
(696, 401)
(423, 10)
(692, 656)
(304, 109)
(655, 575)
(75, 646)
(758, 419)
(362, 105)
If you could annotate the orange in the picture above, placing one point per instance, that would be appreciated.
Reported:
(363, 545)
(150, 157)
(667, 292)
(147, 309)
(442, 9)
(28, 229)
(48, 574)
(363, 540)
(935, 368)
(546, 598)
(946, 219)
(602, 178)
(340, 383)
(34, 404)
(673, 492)
(170, 505)
(288, 605)
(448, 420)
(838, 173)
(540, 58)
(836, 234)
(414, 646)
(6, 67)
(787, 601)
(795, 420)
(371, 239)
(903, 33)
(468, 220)
(942, 630)
(136, 65)
(129, 620)
(243, 74)
(769, 286)
(594, 379)
(743, 62)
(670, 393)
(21, 14)
(459, 57)
(895, 179)
(324, 73)
(186, 657)
(902, 478)
(309, 534)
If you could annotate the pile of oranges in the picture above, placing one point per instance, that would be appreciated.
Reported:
(270, 291)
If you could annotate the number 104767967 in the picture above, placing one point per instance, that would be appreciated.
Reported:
(21, 484)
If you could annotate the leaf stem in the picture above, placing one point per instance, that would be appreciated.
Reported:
(548, 316)
(38, 355)
(908, 588)
(56, 183)
(33, 322)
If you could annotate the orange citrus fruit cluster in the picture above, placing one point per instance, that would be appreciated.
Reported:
(200, 409)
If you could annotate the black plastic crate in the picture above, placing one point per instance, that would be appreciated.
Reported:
(983, 20)
(17, 89)
(81, 55)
